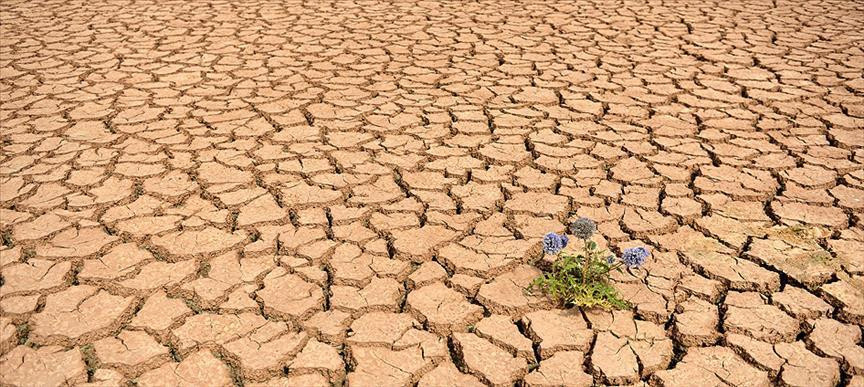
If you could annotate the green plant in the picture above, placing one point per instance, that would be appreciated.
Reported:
(27, 254)
(581, 278)
(6, 239)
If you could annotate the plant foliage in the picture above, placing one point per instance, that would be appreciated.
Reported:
(582, 278)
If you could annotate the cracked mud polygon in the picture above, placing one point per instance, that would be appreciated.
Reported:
(353, 192)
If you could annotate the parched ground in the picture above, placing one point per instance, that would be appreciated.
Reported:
(315, 193)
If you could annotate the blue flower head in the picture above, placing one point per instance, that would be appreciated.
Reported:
(553, 243)
(610, 259)
(634, 256)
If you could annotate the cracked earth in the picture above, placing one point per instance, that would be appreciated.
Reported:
(303, 194)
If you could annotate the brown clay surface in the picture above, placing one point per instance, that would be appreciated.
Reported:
(272, 193)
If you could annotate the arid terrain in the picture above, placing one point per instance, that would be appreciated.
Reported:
(286, 193)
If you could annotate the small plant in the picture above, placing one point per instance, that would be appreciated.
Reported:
(6, 239)
(27, 254)
(23, 333)
(582, 278)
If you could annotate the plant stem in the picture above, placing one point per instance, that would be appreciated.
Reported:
(585, 261)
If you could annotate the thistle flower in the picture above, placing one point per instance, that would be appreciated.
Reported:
(553, 243)
(634, 256)
(583, 228)
(610, 259)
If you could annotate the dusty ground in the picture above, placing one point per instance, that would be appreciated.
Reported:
(275, 193)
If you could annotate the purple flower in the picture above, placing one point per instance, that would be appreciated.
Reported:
(634, 256)
(610, 259)
(553, 243)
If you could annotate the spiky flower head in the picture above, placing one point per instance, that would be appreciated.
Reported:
(553, 243)
(583, 228)
(634, 256)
